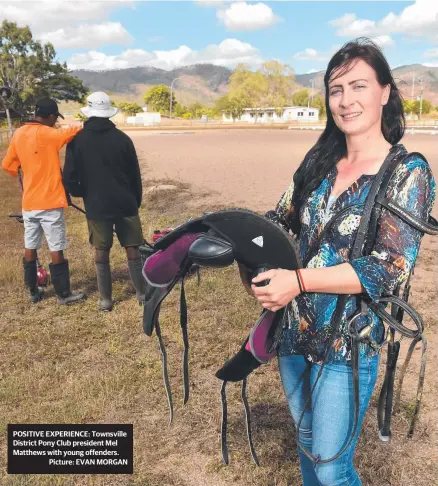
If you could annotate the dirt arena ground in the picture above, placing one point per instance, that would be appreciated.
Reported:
(246, 167)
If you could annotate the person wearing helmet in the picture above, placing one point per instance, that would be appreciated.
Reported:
(101, 166)
(34, 150)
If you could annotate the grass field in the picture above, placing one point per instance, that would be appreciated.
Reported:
(77, 365)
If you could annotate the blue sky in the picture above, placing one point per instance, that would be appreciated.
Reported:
(124, 33)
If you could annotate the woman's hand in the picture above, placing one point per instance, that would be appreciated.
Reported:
(282, 289)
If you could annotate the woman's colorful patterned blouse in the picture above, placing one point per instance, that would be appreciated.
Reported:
(412, 186)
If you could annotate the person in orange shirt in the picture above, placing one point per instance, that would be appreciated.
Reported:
(34, 150)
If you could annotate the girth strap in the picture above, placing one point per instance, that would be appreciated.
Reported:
(224, 423)
(164, 369)
(248, 422)
(183, 322)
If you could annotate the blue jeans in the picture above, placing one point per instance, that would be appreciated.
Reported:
(328, 420)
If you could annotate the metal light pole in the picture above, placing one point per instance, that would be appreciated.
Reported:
(170, 101)
(421, 97)
(413, 85)
(310, 96)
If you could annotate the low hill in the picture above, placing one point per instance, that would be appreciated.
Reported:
(206, 82)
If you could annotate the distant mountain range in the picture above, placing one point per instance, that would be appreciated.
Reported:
(201, 82)
(206, 82)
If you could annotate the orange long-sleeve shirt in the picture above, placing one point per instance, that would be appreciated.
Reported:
(35, 148)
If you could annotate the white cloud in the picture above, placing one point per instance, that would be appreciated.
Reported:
(88, 36)
(63, 22)
(350, 26)
(418, 19)
(310, 54)
(431, 64)
(229, 53)
(43, 16)
(243, 16)
(384, 41)
(431, 53)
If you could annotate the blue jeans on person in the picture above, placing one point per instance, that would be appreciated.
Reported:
(328, 420)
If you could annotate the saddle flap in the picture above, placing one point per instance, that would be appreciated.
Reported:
(239, 366)
(212, 251)
(261, 338)
(151, 307)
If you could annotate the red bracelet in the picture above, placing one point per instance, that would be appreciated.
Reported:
(300, 277)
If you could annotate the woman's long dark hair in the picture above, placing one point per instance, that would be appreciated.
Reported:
(331, 145)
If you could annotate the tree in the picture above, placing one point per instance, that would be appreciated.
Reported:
(279, 82)
(31, 71)
(319, 102)
(130, 108)
(236, 106)
(408, 106)
(222, 104)
(300, 98)
(271, 86)
(180, 110)
(82, 118)
(158, 97)
(195, 109)
(426, 107)
(231, 106)
(247, 85)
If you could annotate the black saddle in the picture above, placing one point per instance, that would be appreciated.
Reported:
(218, 240)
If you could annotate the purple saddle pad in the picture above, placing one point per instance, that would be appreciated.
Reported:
(260, 341)
(162, 267)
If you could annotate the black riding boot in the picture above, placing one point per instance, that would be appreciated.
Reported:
(31, 281)
(104, 284)
(61, 281)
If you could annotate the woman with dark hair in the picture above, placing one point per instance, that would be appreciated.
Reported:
(365, 124)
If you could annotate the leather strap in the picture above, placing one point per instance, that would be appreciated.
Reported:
(248, 423)
(394, 323)
(386, 393)
(430, 227)
(164, 369)
(185, 336)
(224, 446)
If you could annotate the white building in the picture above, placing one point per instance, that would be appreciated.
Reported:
(270, 115)
(144, 119)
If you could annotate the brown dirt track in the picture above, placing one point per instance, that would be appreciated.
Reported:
(247, 167)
